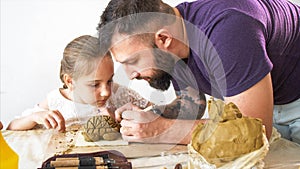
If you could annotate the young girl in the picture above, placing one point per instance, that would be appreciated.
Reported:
(88, 90)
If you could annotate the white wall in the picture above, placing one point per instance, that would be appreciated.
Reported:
(296, 1)
(33, 36)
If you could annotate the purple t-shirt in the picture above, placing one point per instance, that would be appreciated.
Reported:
(235, 43)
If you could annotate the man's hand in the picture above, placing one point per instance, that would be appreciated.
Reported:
(141, 126)
(128, 106)
(50, 119)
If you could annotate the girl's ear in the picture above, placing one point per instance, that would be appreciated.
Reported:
(163, 39)
(68, 81)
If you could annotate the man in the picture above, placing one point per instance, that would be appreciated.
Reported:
(243, 51)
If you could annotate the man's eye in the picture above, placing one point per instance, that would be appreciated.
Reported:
(131, 62)
(110, 82)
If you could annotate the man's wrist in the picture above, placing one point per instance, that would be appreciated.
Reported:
(157, 110)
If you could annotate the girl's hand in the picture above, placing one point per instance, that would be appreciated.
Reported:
(51, 119)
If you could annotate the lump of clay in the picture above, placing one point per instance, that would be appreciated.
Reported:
(101, 128)
(227, 135)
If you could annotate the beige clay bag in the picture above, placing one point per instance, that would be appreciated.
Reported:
(227, 140)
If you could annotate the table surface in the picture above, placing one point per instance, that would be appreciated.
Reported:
(35, 146)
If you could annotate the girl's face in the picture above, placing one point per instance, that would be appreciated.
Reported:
(95, 88)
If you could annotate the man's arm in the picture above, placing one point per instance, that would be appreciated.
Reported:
(189, 104)
(257, 102)
(174, 124)
(147, 127)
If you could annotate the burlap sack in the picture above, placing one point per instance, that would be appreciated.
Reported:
(250, 160)
(227, 140)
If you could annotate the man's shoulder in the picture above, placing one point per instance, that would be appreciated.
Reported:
(206, 10)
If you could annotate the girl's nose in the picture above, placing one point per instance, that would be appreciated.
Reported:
(105, 91)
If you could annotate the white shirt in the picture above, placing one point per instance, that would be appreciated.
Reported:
(79, 113)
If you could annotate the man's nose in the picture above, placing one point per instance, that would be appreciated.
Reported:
(134, 75)
(131, 72)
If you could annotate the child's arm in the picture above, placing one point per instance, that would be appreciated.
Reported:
(39, 115)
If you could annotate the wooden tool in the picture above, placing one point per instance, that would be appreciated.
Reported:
(82, 167)
(96, 160)
(74, 162)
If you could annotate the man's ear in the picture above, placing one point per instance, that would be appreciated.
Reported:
(68, 80)
(163, 39)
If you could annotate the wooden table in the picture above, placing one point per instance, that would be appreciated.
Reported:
(35, 146)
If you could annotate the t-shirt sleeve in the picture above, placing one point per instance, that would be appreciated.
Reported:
(240, 43)
(37, 108)
(29, 111)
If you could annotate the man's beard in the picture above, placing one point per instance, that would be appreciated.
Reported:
(160, 80)
(164, 61)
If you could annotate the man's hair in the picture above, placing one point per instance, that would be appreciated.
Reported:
(132, 17)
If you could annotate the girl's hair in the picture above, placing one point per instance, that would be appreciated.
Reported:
(80, 57)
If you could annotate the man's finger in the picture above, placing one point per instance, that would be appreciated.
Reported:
(126, 131)
(130, 138)
(132, 115)
(127, 107)
(119, 111)
(134, 138)
(140, 116)
(128, 123)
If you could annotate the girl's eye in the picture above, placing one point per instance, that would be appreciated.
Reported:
(94, 85)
